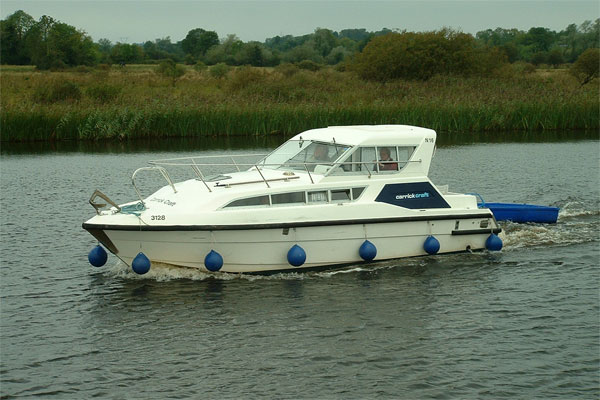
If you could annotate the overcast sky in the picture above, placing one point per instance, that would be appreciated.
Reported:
(138, 21)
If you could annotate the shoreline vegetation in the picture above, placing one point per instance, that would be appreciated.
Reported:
(507, 80)
(138, 101)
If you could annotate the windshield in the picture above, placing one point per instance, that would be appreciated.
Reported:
(304, 154)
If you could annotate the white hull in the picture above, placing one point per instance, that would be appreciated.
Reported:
(257, 250)
(326, 191)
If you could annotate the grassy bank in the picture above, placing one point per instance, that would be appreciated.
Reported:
(135, 102)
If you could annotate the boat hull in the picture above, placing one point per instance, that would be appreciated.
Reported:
(254, 249)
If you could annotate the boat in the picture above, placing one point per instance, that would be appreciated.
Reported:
(325, 198)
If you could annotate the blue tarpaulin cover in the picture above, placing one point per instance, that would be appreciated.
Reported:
(522, 212)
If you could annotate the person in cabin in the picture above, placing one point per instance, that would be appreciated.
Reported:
(386, 162)
(320, 153)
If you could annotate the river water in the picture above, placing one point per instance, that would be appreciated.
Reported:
(521, 323)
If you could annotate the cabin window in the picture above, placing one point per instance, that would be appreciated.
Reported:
(367, 159)
(404, 154)
(287, 198)
(304, 154)
(318, 197)
(375, 160)
(251, 201)
(387, 159)
(295, 198)
(356, 192)
(340, 195)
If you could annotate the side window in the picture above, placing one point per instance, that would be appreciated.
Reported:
(356, 192)
(317, 197)
(404, 154)
(387, 159)
(251, 201)
(340, 195)
(368, 159)
(286, 198)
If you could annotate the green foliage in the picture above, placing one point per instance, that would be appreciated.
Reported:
(587, 66)
(198, 41)
(420, 56)
(538, 43)
(260, 101)
(103, 67)
(219, 70)
(541, 57)
(308, 65)
(169, 69)
(51, 44)
(287, 69)
(243, 77)
(200, 66)
(103, 93)
(555, 57)
(117, 124)
(523, 68)
(57, 91)
(12, 36)
(124, 53)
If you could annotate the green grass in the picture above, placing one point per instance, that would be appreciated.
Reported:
(135, 102)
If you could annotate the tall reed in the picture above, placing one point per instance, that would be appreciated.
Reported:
(138, 103)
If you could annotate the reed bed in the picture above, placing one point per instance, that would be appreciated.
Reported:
(135, 102)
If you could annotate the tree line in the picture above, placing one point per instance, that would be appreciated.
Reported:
(51, 44)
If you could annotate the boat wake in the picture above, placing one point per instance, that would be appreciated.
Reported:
(576, 224)
(164, 272)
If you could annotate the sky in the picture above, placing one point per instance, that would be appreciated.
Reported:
(132, 21)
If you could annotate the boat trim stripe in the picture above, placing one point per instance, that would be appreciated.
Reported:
(283, 225)
(477, 231)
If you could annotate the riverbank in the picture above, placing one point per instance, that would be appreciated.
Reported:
(136, 102)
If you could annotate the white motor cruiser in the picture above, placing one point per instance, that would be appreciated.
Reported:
(327, 197)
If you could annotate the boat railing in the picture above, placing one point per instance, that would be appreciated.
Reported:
(196, 166)
(162, 171)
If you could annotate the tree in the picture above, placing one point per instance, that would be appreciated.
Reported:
(253, 55)
(50, 43)
(12, 37)
(355, 35)
(227, 52)
(198, 41)
(555, 57)
(324, 41)
(541, 57)
(301, 53)
(126, 53)
(539, 39)
(412, 55)
(587, 66)
(37, 43)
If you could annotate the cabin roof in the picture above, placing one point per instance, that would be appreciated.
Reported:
(369, 134)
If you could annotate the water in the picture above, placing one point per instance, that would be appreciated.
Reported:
(522, 323)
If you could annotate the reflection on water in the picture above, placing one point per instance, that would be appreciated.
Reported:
(270, 141)
(144, 145)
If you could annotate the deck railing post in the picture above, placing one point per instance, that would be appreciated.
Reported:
(199, 173)
(262, 176)
(309, 175)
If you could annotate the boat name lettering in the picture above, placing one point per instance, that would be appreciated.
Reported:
(158, 217)
(164, 201)
(412, 196)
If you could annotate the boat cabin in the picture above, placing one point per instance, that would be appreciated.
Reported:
(356, 150)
